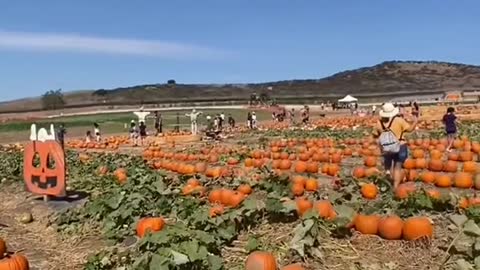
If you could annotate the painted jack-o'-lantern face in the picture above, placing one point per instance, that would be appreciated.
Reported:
(40, 175)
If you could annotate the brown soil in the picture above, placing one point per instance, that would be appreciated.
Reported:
(39, 241)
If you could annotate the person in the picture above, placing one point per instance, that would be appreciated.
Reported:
(88, 137)
(133, 131)
(143, 132)
(415, 110)
(374, 109)
(249, 120)
(292, 116)
(211, 131)
(216, 122)
(61, 131)
(274, 116)
(141, 115)
(450, 122)
(390, 130)
(96, 131)
(193, 120)
(222, 118)
(254, 120)
(231, 121)
(158, 123)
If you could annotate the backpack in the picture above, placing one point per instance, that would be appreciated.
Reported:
(388, 141)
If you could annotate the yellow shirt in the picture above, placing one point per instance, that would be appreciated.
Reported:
(399, 127)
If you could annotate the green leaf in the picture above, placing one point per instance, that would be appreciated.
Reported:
(215, 262)
(158, 262)
(252, 244)
(179, 258)
(458, 220)
(471, 228)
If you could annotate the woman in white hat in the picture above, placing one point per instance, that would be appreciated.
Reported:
(390, 130)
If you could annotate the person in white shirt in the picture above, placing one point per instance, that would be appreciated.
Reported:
(374, 109)
(96, 131)
(141, 115)
(254, 120)
(193, 120)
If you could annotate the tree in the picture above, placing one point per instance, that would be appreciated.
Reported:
(171, 82)
(53, 99)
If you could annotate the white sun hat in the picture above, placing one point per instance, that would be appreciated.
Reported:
(388, 110)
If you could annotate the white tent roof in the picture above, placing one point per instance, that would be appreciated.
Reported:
(348, 98)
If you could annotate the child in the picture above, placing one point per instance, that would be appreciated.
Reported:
(96, 131)
(133, 133)
(450, 121)
(88, 138)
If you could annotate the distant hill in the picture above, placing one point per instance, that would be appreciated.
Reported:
(384, 81)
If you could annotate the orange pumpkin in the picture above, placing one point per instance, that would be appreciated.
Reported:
(390, 228)
(409, 164)
(443, 180)
(216, 211)
(370, 161)
(14, 262)
(463, 180)
(358, 172)
(415, 228)
(433, 193)
(470, 166)
(325, 209)
(367, 224)
(298, 189)
(404, 190)
(3, 248)
(451, 166)
(435, 165)
(428, 177)
(303, 205)
(260, 260)
(245, 189)
(311, 185)
(153, 224)
(369, 191)
(215, 196)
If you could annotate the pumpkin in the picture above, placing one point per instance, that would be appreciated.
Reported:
(404, 190)
(420, 163)
(215, 196)
(193, 182)
(470, 166)
(367, 224)
(412, 175)
(463, 180)
(216, 211)
(415, 228)
(235, 199)
(325, 209)
(418, 153)
(463, 203)
(435, 165)
(300, 167)
(358, 172)
(433, 193)
(370, 161)
(261, 260)
(311, 185)
(303, 205)
(225, 195)
(312, 167)
(409, 164)
(428, 177)
(466, 156)
(443, 180)
(333, 169)
(451, 166)
(298, 189)
(390, 228)
(298, 179)
(3, 248)
(369, 191)
(245, 189)
(153, 224)
(295, 266)
(14, 262)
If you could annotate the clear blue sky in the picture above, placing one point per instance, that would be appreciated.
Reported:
(110, 43)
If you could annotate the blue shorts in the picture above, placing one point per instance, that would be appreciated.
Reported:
(395, 159)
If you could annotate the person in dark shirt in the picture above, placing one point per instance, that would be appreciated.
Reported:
(450, 121)
(143, 132)
(61, 131)
(158, 123)
(231, 121)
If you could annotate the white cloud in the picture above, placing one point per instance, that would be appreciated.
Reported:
(55, 42)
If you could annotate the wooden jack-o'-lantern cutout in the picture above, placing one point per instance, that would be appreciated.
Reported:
(39, 175)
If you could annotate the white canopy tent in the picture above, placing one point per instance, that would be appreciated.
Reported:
(348, 99)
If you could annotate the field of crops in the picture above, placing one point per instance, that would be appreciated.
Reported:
(281, 197)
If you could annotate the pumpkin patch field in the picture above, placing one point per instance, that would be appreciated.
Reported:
(280, 197)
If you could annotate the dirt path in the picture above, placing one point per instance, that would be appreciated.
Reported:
(38, 240)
